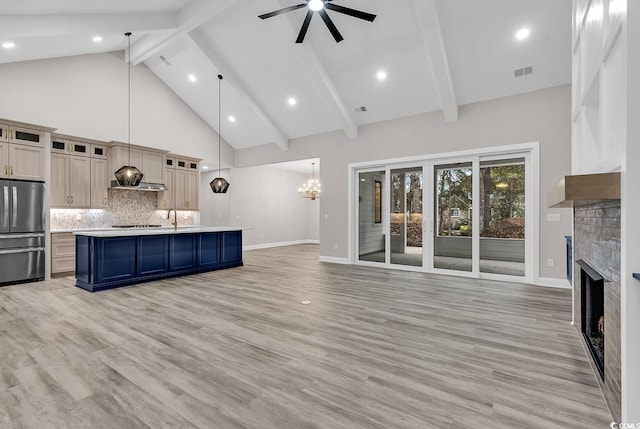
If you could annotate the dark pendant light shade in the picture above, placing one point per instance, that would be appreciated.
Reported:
(219, 185)
(128, 175)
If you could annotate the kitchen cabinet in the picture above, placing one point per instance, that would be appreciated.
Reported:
(187, 185)
(152, 166)
(147, 160)
(22, 154)
(100, 182)
(77, 179)
(185, 182)
(63, 253)
(70, 174)
(167, 199)
(110, 259)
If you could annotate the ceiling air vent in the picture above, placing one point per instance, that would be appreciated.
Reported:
(523, 71)
(360, 109)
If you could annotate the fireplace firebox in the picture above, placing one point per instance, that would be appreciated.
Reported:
(593, 321)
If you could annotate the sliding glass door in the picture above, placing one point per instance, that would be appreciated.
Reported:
(502, 216)
(372, 190)
(405, 219)
(452, 238)
(465, 215)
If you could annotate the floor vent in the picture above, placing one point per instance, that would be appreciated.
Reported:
(524, 71)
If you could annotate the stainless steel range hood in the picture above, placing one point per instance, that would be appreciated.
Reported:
(572, 190)
(143, 186)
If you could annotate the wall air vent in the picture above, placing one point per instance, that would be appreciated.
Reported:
(164, 60)
(523, 71)
(360, 109)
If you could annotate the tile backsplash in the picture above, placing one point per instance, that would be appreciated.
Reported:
(124, 208)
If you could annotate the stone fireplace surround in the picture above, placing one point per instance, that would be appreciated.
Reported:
(597, 242)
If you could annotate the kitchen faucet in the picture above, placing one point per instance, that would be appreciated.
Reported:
(175, 218)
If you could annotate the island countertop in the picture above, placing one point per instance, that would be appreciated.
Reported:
(169, 230)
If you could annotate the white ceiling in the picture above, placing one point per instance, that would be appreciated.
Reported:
(438, 54)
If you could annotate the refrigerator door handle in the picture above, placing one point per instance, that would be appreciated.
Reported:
(14, 221)
(23, 250)
(5, 193)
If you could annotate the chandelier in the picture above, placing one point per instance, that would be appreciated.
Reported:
(311, 188)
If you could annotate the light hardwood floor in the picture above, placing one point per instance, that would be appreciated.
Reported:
(235, 348)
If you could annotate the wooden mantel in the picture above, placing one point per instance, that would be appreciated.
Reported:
(584, 187)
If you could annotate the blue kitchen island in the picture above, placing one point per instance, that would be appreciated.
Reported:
(114, 258)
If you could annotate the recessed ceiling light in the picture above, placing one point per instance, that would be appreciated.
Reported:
(192, 78)
(204, 167)
(523, 34)
(97, 39)
(316, 5)
(232, 118)
(292, 101)
(8, 45)
(381, 75)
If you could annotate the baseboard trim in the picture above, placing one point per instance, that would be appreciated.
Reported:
(280, 244)
(332, 260)
(556, 283)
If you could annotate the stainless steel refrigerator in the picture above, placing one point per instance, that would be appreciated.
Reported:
(22, 226)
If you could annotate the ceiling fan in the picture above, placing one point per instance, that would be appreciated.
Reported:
(320, 6)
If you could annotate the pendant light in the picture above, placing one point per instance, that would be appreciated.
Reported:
(311, 188)
(219, 185)
(127, 175)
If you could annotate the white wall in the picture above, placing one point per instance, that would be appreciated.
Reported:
(630, 316)
(86, 96)
(605, 138)
(266, 199)
(543, 116)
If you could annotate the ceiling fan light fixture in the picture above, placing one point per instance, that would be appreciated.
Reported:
(316, 5)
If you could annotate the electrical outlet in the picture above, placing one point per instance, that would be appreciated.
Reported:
(551, 262)
(554, 217)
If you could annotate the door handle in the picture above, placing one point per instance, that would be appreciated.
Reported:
(14, 221)
(11, 171)
(5, 222)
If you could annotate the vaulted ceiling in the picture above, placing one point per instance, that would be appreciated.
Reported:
(437, 55)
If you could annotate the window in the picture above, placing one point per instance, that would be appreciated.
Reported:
(455, 212)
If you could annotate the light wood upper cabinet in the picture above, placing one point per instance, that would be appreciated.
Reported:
(25, 136)
(166, 200)
(74, 173)
(80, 181)
(59, 178)
(4, 159)
(186, 182)
(4, 133)
(22, 153)
(27, 162)
(70, 181)
(152, 166)
(147, 160)
(193, 190)
(100, 182)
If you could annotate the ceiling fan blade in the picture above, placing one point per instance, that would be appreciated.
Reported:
(305, 26)
(279, 11)
(351, 12)
(331, 26)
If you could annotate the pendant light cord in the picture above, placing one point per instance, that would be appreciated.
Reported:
(129, 100)
(219, 119)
